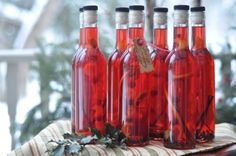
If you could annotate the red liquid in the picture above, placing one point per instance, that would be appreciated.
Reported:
(114, 108)
(73, 79)
(206, 89)
(158, 100)
(181, 127)
(160, 38)
(91, 86)
(134, 95)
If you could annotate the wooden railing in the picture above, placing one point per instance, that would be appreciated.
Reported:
(17, 61)
(17, 55)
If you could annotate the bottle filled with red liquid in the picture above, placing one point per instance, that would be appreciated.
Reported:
(205, 78)
(181, 94)
(158, 79)
(114, 108)
(90, 109)
(73, 74)
(136, 66)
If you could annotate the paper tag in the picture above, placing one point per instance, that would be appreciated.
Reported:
(144, 58)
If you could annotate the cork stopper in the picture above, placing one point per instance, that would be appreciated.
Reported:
(160, 17)
(90, 15)
(181, 14)
(136, 15)
(197, 15)
(122, 15)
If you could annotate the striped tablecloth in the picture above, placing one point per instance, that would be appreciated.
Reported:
(225, 135)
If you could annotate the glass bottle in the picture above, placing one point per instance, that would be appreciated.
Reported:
(114, 108)
(73, 74)
(91, 77)
(205, 79)
(134, 82)
(158, 79)
(182, 70)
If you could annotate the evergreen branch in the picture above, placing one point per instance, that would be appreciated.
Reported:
(74, 144)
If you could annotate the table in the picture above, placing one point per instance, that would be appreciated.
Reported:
(225, 135)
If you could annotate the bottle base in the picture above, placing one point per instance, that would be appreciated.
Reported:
(156, 136)
(179, 145)
(205, 138)
(137, 141)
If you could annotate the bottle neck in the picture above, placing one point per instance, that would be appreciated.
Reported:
(136, 32)
(121, 39)
(90, 36)
(181, 37)
(198, 36)
(160, 38)
(81, 38)
(136, 25)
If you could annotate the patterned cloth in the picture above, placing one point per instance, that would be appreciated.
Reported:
(225, 135)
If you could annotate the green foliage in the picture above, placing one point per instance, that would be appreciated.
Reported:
(53, 69)
(53, 65)
(226, 106)
(73, 144)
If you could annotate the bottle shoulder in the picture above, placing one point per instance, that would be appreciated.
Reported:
(203, 51)
(77, 55)
(202, 55)
(183, 55)
(93, 55)
(159, 54)
(129, 56)
(116, 55)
